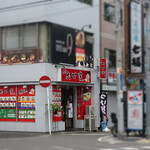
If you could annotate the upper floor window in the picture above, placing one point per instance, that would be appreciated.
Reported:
(110, 55)
(109, 13)
(86, 1)
(19, 37)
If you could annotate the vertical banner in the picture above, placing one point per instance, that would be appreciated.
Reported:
(103, 104)
(135, 110)
(103, 72)
(136, 35)
(83, 100)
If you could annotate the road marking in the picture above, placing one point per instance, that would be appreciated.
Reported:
(143, 141)
(88, 134)
(107, 149)
(145, 147)
(62, 148)
(102, 138)
(129, 148)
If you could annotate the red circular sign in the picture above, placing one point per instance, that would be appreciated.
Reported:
(45, 81)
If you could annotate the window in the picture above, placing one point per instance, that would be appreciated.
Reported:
(30, 37)
(11, 38)
(109, 13)
(86, 1)
(110, 55)
(19, 37)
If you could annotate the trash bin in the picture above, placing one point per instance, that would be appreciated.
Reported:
(103, 125)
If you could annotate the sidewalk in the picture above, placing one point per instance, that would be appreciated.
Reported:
(7, 134)
(11, 134)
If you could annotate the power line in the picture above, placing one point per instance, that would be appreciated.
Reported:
(53, 14)
(27, 5)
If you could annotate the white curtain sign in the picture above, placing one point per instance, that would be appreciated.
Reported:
(135, 110)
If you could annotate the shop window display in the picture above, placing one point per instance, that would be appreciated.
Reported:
(57, 93)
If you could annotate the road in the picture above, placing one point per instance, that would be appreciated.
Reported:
(88, 141)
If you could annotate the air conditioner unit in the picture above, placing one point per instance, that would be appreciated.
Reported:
(87, 122)
(94, 123)
(90, 110)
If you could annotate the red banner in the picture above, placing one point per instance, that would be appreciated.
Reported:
(8, 91)
(103, 72)
(26, 90)
(72, 75)
(83, 99)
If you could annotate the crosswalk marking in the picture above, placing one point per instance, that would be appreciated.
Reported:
(107, 149)
(129, 148)
(145, 147)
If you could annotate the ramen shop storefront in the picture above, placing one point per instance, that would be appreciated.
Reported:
(73, 94)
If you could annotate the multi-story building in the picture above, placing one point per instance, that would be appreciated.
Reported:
(108, 50)
(56, 38)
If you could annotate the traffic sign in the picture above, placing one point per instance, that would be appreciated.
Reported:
(45, 81)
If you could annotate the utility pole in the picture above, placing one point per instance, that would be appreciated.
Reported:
(120, 104)
(147, 4)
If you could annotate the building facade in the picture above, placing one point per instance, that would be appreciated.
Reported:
(135, 40)
(58, 39)
(108, 50)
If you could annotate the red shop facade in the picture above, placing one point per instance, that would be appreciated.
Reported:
(73, 93)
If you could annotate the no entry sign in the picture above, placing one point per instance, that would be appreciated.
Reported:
(45, 81)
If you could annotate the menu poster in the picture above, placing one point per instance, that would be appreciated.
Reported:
(26, 103)
(7, 114)
(83, 99)
(57, 93)
(8, 103)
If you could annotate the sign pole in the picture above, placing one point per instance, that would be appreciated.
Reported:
(45, 82)
(148, 68)
(120, 104)
(49, 117)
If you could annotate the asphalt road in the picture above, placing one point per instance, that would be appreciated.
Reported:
(73, 141)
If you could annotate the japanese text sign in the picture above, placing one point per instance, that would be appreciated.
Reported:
(72, 75)
(103, 103)
(136, 48)
(103, 72)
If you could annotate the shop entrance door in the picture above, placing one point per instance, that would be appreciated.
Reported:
(67, 103)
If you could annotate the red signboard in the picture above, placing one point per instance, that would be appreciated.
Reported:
(72, 75)
(45, 81)
(103, 72)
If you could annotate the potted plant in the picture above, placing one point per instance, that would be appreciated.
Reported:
(56, 107)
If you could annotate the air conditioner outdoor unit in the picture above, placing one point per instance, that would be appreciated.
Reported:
(94, 123)
(87, 122)
(90, 110)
